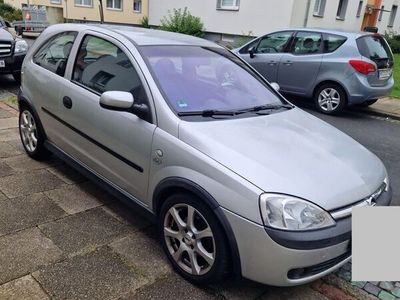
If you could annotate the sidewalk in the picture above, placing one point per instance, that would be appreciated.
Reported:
(387, 107)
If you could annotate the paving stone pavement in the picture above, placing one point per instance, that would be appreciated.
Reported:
(62, 237)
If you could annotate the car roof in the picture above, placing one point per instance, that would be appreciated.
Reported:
(348, 34)
(141, 36)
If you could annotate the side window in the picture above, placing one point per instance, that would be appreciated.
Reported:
(274, 43)
(246, 48)
(306, 43)
(101, 66)
(332, 42)
(53, 55)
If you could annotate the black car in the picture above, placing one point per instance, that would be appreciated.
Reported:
(12, 51)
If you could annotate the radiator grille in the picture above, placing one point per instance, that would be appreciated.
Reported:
(5, 48)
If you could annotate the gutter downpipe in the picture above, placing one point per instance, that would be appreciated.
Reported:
(308, 5)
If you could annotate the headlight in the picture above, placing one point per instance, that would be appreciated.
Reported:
(290, 213)
(21, 46)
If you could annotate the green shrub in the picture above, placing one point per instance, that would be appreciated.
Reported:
(182, 21)
(145, 22)
(9, 13)
(393, 40)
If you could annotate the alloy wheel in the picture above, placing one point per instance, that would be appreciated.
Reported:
(329, 99)
(28, 129)
(189, 239)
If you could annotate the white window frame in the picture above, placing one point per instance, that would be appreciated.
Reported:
(113, 5)
(359, 9)
(83, 5)
(319, 8)
(234, 6)
(392, 17)
(381, 13)
(342, 9)
(55, 2)
(140, 6)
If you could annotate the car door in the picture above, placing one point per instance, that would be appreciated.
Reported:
(268, 53)
(47, 69)
(116, 145)
(298, 69)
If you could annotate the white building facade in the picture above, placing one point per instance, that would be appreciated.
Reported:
(225, 18)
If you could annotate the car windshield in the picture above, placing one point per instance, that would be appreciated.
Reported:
(199, 79)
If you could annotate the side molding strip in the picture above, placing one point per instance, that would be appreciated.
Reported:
(93, 141)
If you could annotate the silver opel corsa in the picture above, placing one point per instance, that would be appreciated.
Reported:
(239, 180)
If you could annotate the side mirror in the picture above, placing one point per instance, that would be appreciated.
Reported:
(8, 25)
(123, 101)
(114, 100)
(275, 86)
(252, 52)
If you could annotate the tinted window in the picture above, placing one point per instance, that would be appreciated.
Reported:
(53, 55)
(274, 43)
(332, 42)
(307, 43)
(246, 48)
(196, 79)
(102, 66)
(375, 48)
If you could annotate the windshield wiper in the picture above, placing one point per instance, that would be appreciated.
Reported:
(267, 107)
(208, 113)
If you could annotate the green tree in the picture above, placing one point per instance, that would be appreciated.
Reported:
(183, 21)
(9, 13)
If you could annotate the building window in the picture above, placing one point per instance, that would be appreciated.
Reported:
(381, 13)
(359, 9)
(228, 4)
(137, 6)
(319, 8)
(342, 8)
(55, 1)
(114, 4)
(87, 3)
(392, 16)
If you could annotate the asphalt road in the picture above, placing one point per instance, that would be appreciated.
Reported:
(379, 135)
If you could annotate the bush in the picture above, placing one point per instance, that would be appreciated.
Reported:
(9, 13)
(145, 22)
(393, 40)
(182, 21)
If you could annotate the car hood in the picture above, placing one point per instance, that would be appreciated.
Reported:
(5, 35)
(291, 152)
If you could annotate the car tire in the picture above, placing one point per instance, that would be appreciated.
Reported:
(17, 77)
(32, 135)
(201, 241)
(330, 98)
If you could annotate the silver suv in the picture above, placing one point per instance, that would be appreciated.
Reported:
(334, 68)
(239, 180)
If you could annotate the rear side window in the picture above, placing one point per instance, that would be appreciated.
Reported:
(306, 43)
(53, 55)
(377, 49)
(101, 66)
(332, 42)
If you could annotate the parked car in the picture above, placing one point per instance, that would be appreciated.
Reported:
(12, 50)
(334, 68)
(239, 180)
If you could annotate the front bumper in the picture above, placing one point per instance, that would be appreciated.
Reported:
(284, 258)
(13, 63)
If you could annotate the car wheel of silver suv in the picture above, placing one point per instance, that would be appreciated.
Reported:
(193, 239)
(31, 134)
(330, 98)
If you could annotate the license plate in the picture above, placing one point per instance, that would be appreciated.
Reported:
(385, 74)
(2, 64)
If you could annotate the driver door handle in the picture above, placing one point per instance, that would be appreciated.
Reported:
(272, 63)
